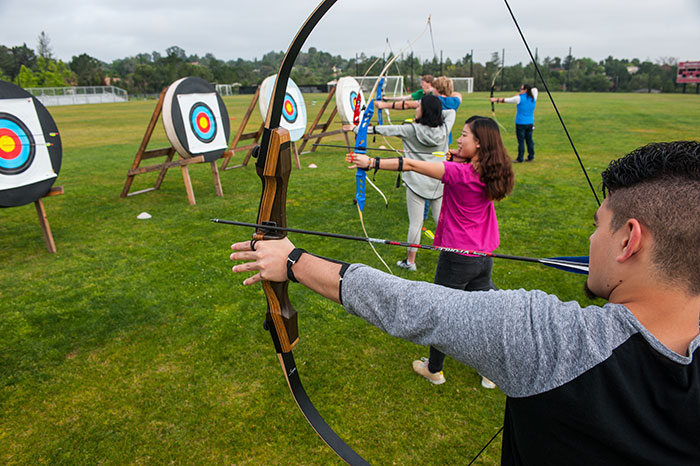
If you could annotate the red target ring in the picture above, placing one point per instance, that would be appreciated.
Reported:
(203, 122)
(10, 145)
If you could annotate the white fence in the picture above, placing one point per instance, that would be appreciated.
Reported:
(78, 95)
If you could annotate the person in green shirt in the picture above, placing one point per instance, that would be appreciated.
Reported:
(426, 84)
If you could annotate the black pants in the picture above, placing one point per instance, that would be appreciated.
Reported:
(460, 272)
(524, 135)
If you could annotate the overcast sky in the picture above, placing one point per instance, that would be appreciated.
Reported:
(644, 29)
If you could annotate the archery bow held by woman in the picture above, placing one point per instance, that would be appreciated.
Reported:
(524, 119)
(479, 173)
(614, 384)
(428, 134)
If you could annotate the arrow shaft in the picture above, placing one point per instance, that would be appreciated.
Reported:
(552, 262)
(436, 154)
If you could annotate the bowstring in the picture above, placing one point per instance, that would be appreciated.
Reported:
(571, 142)
(561, 120)
(362, 222)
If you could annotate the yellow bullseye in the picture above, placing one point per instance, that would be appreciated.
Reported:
(7, 144)
(204, 123)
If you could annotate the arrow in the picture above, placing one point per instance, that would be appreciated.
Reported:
(436, 154)
(573, 264)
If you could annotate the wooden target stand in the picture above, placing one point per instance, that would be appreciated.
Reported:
(32, 149)
(169, 154)
(324, 127)
(44, 221)
(241, 135)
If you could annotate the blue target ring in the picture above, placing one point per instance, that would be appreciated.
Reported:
(290, 111)
(17, 145)
(203, 122)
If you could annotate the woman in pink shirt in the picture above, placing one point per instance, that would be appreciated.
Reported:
(479, 173)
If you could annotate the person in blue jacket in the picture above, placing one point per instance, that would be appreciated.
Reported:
(524, 119)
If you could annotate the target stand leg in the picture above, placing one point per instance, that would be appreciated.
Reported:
(296, 155)
(45, 227)
(44, 221)
(188, 184)
(217, 179)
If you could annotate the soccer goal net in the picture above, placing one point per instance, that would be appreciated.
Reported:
(463, 84)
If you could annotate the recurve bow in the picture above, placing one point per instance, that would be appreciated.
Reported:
(273, 166)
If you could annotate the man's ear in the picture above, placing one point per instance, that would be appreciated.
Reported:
(631, 242)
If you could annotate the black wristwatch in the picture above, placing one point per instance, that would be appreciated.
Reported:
(292, 259)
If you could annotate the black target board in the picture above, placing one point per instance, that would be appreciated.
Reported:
(195, 119)
(30, 147)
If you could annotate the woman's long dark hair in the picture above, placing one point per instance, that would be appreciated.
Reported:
(528, 91)
(493, 163)
(431, 112)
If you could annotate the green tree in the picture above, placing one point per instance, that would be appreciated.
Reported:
(87, 69)
(52, 73)
(21, 56)
(26, 78)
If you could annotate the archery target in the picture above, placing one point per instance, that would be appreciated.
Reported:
(195, 119)
(30, 148)
(293, 108)
(346, 94)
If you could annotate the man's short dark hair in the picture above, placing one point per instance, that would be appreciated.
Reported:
(659, 185)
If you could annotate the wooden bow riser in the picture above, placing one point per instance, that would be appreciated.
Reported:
(273, 167)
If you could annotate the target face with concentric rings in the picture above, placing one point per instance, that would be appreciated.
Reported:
(290, 110)
(293, 108)
(203, 122)
(17, 145)
(195, 119)
(30, 147)
(353, 99)
(347, 92)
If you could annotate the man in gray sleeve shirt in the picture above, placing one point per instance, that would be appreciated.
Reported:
(611, 385)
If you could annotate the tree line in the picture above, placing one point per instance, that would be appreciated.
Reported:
(149, 73)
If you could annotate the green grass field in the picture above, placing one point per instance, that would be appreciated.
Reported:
(136, 344)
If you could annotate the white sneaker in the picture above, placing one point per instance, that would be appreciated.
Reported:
(404, 264)
(486, 383)
(421, 368)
